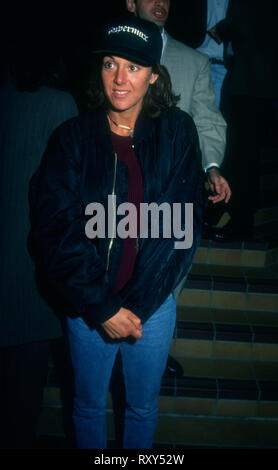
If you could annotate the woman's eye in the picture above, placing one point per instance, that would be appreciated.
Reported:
(108, 65)
(134, 68)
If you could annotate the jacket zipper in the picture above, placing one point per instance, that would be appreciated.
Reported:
(114, 214)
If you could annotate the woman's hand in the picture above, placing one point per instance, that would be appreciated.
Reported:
(123, 324)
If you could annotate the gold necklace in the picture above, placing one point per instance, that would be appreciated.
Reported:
(121, 126)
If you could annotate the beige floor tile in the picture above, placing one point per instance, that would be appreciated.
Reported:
(237, 408)
(166, 404)
(188, 347)
(231, 350)
(227, 257)
(253, 258)
(201, 255)
(267, 409)
(172, 351)
(220, 299)
(265, 352)
(195, 406)
(262, 302)
(194, 297)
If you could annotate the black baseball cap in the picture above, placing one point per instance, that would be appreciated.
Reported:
(131, 37)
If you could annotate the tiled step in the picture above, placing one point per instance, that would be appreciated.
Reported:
(228, 369)
(246, 254)
(236, 287)
(227, 332)
(211, 432)
(211, 373)
(231, 376)
(236, 298)
(189, 421)
(227, 342)
(243, 278)
(252, 318)
(200, 432)
(228, 396)
(221, 397)
(261, 251)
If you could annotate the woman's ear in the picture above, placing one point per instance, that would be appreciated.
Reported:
(153, 78)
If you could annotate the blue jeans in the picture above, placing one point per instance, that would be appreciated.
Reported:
(144, 362)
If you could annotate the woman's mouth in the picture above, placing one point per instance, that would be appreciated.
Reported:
(120, 93)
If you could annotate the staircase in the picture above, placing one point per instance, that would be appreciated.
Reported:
(226, 339)
(227, 342)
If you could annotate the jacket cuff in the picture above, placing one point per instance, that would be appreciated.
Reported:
(94, 314)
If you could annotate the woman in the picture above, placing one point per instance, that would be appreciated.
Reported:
(135, 147)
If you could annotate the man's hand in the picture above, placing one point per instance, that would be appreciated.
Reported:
(123, 324)
(213, 33)
(218, 185)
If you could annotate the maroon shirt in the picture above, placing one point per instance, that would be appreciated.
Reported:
(124, 149)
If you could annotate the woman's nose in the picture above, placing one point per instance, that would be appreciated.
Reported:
(120, 76)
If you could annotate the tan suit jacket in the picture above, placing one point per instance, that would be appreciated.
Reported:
(190, 75)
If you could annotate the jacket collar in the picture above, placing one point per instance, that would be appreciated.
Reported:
(144, 126)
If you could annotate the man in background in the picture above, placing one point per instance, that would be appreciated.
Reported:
(190, 75)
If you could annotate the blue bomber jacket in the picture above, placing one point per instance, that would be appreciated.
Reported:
(80, 167)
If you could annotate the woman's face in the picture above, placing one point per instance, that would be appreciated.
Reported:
(126, 83)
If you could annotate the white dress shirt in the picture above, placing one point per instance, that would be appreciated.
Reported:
(216, 11)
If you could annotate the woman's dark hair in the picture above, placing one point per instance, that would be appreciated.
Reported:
(158, 97)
